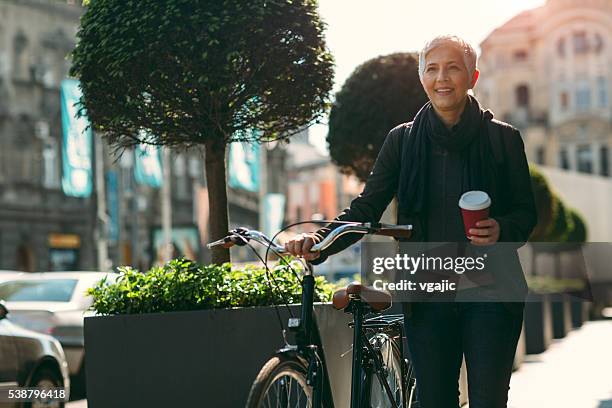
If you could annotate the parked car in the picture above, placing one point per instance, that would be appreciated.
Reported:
(30, 359)
(55, 303)
(9, 275)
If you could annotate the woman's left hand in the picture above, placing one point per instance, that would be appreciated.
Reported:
(487, 232)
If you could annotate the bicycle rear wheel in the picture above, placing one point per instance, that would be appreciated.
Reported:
(391, 359)
(281, 383)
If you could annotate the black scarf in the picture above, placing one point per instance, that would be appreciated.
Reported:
(469, 136)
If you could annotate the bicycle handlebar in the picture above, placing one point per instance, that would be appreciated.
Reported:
(241, 236)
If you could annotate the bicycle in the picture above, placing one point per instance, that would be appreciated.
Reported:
(295, 375)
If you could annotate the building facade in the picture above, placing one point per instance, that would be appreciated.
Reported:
(40, 228)
(548, 72)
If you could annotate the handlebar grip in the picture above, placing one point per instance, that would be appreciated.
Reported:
(395, 231)
(226, 242)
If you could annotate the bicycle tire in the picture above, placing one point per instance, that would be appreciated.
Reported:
(281, 383)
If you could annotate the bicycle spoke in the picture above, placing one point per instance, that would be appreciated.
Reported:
(289, 391)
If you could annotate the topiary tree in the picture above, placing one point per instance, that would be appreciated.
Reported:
(579, 231)
(380, 94)
(202, 72)
(561, 224)
(544, 204)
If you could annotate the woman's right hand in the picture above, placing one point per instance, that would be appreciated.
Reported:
(300, 246)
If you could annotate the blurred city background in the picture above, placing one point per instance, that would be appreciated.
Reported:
(545, 68)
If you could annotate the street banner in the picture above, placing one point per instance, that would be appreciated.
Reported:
(185, 243)
(112, 205)
(76, 143)
(148, 166)
(244, 166)
(274, 213)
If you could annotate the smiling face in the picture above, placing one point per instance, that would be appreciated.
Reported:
(446, 79)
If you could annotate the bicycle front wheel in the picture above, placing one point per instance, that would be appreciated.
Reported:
(281, 383)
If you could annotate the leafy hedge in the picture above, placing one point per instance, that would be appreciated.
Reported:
(548, 284)
(184, 285)
(556, 221)
(579, 233)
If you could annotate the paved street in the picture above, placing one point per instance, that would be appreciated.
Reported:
(575, 372)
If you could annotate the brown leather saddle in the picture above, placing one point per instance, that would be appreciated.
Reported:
(378, 300)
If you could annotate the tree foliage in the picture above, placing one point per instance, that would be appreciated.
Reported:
(544, 204)
(380, 94)
(189, 70)
(203, 72)
(579, 231)
(556, 221)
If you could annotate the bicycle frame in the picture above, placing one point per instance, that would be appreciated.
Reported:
(305, 344)
(308, 350)
(306, 347)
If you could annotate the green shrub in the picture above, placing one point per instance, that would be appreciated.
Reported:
(579, 231)
(544, 201)
(562, 223)
(184, 285)
(547, 284)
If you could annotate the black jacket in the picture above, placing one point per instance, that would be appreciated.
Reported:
(515, 213)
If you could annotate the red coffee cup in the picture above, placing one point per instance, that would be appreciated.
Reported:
(474, 207)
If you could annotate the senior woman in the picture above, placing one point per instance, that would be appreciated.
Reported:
(429, 163)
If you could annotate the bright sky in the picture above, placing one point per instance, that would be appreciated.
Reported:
(358, 30)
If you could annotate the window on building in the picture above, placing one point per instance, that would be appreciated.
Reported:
(564, 100)
(522, 96)
(50, 164)
(180, 179)
(564, 159)
(520, 55)
(581, 43)
(598, 46)
(561, 47)
(584, 159)
(604, 161)
(602, 92)
(540, 155)
(583, 96)
(20, 43)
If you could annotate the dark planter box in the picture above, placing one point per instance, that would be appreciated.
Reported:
(199, 358)
(538, 323)
(561, 315)
(579, 311)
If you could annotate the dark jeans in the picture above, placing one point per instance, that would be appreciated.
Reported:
(440, 334)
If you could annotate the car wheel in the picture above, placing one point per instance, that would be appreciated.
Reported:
(45, 378)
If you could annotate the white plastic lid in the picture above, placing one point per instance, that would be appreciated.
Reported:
(474, 200)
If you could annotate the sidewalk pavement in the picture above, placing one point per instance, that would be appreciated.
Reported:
(575, 372)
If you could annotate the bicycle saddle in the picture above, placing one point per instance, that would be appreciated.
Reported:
(377, 299)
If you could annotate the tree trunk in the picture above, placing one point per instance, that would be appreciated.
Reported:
(217, 197)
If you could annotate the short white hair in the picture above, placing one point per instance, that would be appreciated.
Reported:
(468, 52)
